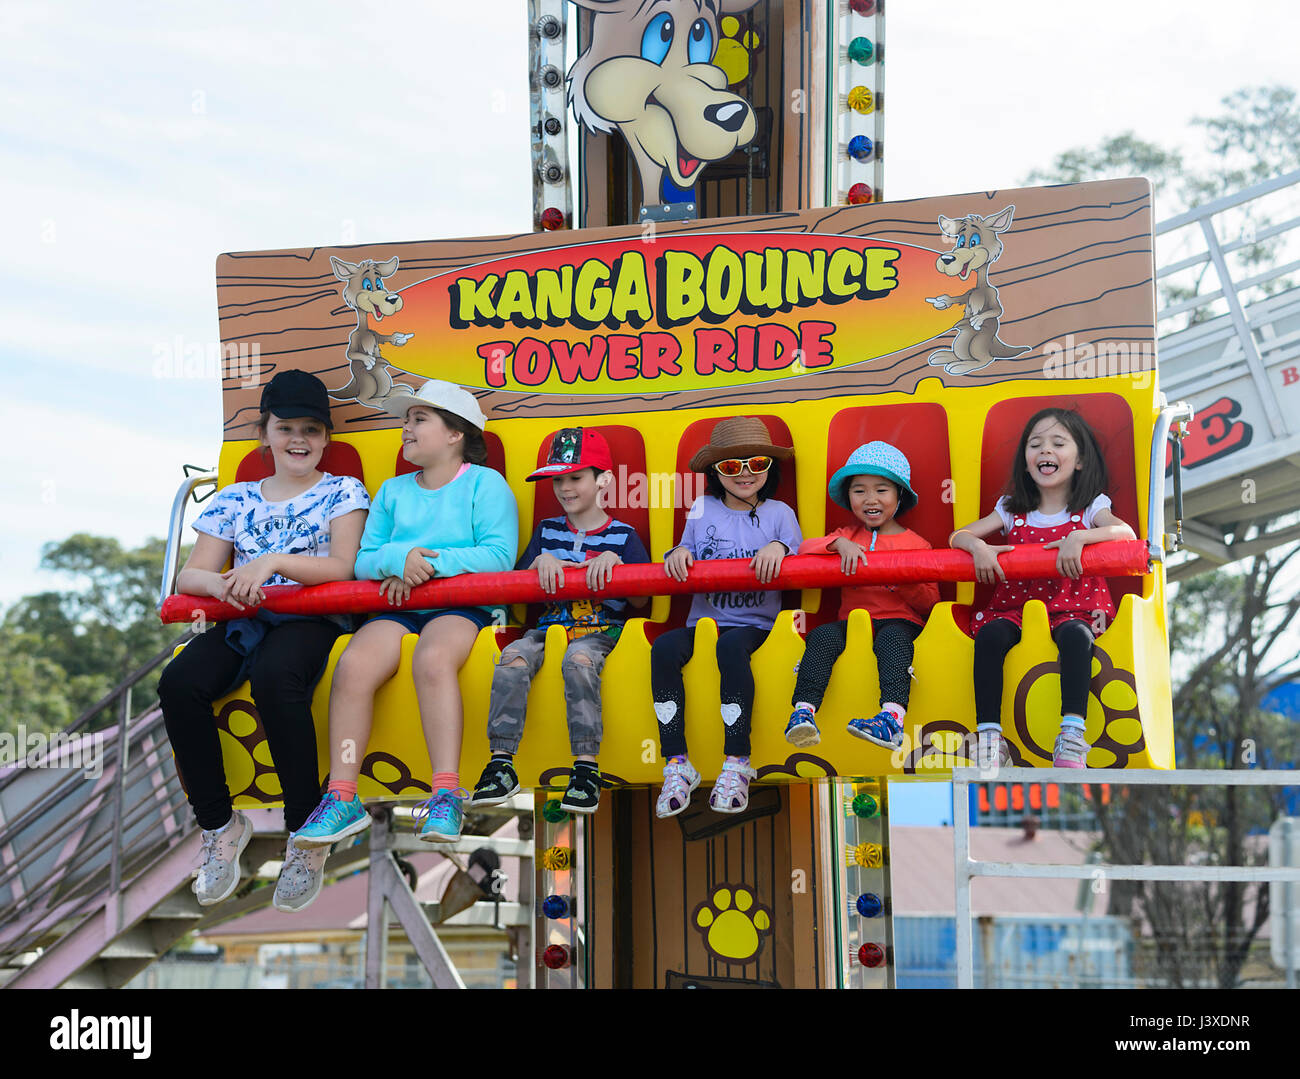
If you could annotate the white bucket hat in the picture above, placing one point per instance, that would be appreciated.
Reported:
(438, 394)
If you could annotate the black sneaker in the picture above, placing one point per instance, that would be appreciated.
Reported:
(497, 784)
(583, 793)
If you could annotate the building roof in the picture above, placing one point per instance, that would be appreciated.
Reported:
(922, 871)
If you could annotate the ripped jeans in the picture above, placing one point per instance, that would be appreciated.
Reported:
(510, 686)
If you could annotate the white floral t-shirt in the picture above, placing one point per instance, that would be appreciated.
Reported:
(299, 525)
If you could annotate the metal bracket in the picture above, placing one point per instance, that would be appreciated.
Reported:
(670, 211)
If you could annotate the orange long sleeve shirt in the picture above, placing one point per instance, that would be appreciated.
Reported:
(908, 601)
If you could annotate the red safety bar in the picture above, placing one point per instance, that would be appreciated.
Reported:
(1118, 558)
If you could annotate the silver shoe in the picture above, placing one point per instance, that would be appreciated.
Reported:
(218, 874)
(300, 877)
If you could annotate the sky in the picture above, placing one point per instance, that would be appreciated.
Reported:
(138, 141)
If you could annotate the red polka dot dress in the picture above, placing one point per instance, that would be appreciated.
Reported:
(1066, 600)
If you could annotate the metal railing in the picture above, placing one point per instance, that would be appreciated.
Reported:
(1230, 290)
(175, 527)
(57, 819)
(967, 868)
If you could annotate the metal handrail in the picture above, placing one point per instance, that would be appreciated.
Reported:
(124, 863)
(175, 525)
(1179, 412)
(61, 827)
(967, 868)
(1227, 202)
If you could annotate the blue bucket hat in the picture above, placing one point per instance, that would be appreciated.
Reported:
(875, 459)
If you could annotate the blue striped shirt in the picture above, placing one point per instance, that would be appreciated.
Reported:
(556, 537)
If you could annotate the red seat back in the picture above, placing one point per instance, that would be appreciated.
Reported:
(694, 438)
(339, 459)
(1111, 420)
(920, 431)
(628, 498)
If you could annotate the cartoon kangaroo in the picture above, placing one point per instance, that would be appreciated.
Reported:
(648, 73)
(365, 292)
(976, 344)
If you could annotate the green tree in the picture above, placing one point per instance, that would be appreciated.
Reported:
(1255, 137)
(65, 650)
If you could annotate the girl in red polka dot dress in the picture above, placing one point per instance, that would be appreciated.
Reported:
(1055, 497)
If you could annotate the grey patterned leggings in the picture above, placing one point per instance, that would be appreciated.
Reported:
(510, 685)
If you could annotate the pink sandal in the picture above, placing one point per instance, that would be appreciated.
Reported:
(731, 792)
(680, 778)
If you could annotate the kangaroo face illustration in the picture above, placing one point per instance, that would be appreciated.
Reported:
(648, 73)
(364, 289)
(976, 246)
(977, 242)
(365, 292)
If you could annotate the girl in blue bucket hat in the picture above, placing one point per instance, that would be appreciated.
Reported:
(875, 485)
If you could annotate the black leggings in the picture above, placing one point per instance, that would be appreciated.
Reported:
(671, 652)
(282, 672)
(893, 643)
(997, 638)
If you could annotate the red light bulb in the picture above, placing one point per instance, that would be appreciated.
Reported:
(552, 219)
(859, 193)
(871, 955)
(556, 956)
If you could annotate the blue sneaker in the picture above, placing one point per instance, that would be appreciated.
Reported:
(802, 729)
(332, 820)
(442, 816)
(883, 729)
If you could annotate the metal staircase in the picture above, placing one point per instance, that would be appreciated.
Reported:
(1237, 362)
(96, 863)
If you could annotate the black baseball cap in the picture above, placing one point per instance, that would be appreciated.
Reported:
(291, 394)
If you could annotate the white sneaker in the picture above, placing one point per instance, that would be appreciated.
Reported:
(218, 875)
(991, 750)
(300, 878)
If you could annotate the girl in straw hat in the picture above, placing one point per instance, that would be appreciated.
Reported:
(736, 518)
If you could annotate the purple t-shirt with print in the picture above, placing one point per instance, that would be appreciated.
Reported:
(713, 531)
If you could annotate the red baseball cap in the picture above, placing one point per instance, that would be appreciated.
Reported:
(575, 448)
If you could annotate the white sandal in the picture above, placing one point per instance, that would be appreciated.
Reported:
(679, 781)
(731, 792)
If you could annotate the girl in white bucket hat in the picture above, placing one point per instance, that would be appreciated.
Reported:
(452, 516)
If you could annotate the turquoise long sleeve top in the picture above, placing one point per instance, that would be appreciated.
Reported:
(472, 522)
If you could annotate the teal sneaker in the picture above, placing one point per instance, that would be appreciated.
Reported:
(442, 816)
(331, 821)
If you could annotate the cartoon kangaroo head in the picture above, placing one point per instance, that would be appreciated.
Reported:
(363, 286)
(977, 242)
(648, 74)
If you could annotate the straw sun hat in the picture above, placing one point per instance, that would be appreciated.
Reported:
(738, 436)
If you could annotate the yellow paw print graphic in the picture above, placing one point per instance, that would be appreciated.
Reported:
(732, 924)
(734, 50)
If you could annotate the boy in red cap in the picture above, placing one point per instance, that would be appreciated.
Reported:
(581, 467)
